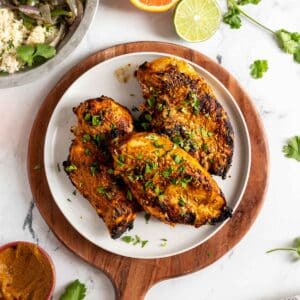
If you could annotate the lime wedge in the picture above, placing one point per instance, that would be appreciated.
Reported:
(197, 20)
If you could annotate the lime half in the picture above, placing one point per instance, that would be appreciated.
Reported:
(197, 20)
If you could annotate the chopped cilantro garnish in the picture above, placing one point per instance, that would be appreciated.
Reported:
(151, 101)
(181, 201)
(157, 145)
(149, 184)
(87, 152)
(158, 191)
(87, 117)
(110, 171)
(163, 242)
(177, 158)
(121, 160)
(104, 191)
(98, 138)
(144, 243)
(134, 240)
(94, 168)
(127, 239)
(181, 168)
(96, 120)
(70, 168)
(148, 117)
(74, 192)
(86, 138)
(160, 106)
(205, 133)
(167, 172)
(205, 148)
(137, 240)
(129, 195)
(184, 181)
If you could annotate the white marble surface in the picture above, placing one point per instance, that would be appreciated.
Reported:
(246, 272)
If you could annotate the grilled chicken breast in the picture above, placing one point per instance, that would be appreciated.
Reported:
(90, 165)
(180, 104)
(167, 182)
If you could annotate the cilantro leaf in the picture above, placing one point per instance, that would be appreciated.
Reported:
(74, 291)
(26, 53)
(288, 41)
(232, 18)
(244, 2)
(30, 54)
(45, 51)
(292, 149)
(258, 68)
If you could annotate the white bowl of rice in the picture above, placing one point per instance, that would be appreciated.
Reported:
(35, 37)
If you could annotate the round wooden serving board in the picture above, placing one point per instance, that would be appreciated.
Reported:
(133, 277)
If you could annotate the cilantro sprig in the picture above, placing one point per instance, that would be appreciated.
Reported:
(288, 41)
(259, 68)
(292, 148)
(74, 291)
(34, 54)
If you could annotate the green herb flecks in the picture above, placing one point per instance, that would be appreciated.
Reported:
(194, 102)
(292, 149)
(110, 171)
(157, 145)
(182, 201)
(70, 168)
(185, 181)
(205, 133)
(177, 158)
(134, 240)
(129, 195)
(96, 120)
(58, 167)
(94, 168)
(163, 242)
(86, 138)
(259, 68)
(167, 172)
(151, 101)
(87, 152)
(104, 191)
(121, 160)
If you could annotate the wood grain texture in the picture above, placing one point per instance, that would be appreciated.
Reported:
(133, 277)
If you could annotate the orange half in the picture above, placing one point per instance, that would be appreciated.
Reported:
(154, 5)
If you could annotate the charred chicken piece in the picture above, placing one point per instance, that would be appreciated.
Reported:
(167, 182)
(181, 104)
(90, 166)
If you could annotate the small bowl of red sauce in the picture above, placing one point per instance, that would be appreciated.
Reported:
(26, 272)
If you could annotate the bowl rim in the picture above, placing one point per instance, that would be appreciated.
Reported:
(44, 253)
(25, 77)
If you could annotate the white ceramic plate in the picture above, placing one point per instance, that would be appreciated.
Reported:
(101, 80)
